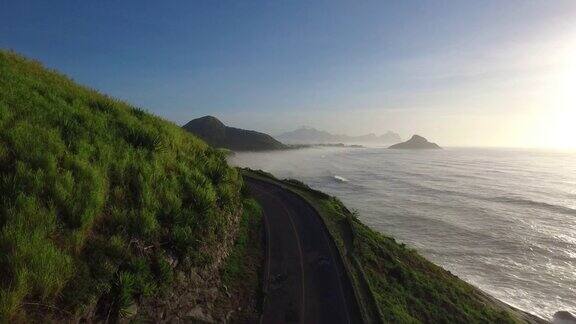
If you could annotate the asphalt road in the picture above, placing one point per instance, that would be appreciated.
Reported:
(304, 278)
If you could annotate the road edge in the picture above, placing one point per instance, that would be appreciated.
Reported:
(363, 295)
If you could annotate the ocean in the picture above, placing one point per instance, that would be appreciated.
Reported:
(503, 220)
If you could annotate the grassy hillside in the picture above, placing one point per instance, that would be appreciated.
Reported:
(394, 284)
(98, 198)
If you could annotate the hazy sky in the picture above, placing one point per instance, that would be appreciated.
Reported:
(483, 73)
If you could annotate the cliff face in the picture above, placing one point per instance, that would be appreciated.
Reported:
(215, 133)
(417, 142)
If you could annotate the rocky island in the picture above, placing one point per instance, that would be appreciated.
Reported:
(417, 142)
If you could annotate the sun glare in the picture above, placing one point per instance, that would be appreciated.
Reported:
(562, 129)
(560, 119)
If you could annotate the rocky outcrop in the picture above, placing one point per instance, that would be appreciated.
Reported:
(417, 142)
(564, 317)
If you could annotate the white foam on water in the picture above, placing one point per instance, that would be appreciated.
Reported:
(339, 178)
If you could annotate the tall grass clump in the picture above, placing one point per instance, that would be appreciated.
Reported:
(95, 194)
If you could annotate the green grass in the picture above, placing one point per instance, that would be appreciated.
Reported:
(239, 261)
(393, 283)
(95, 194)
(242, 271)
(410, 289)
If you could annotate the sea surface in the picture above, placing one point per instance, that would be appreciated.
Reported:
(501, 219)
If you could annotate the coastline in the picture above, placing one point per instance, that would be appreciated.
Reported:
(364, 292)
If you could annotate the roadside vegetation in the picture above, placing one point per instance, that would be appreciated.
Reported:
(243, 269)
(100, 201)
(393, 283)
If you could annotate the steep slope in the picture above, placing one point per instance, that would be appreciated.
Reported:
(308, 135)
(417, 142)
(215, 133)
(102, 204)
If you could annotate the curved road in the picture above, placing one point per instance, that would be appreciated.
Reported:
(304, 278)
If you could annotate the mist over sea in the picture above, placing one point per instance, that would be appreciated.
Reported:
(501, 219)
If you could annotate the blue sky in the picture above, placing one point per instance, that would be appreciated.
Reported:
(453, 70)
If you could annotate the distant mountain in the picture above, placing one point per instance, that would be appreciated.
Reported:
(417, 142)
(215, 133)
(307, 135)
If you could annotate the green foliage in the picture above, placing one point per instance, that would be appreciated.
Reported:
(235, 269)
(124, 291)
(95, 193)
(31, 264)
(162, 271)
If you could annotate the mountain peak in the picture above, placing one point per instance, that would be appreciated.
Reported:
(206, 120)
(310, 135)
(215, 133)
(418, 138)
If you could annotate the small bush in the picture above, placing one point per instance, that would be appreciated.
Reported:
(162, 271)
(124, 291)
